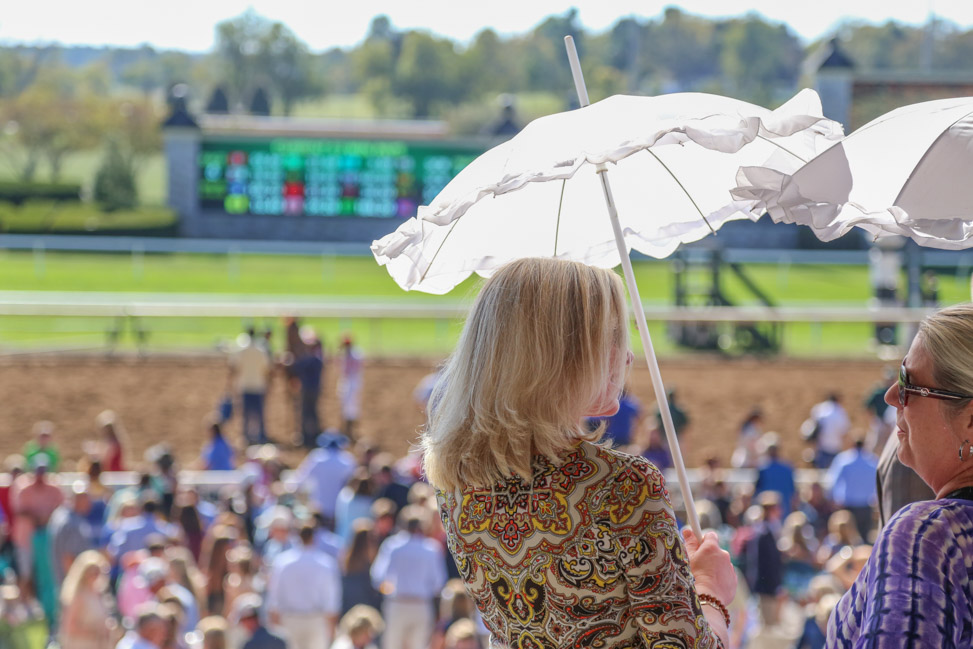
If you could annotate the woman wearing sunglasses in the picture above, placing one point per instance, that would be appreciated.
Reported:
(916, 589)
(561, 542)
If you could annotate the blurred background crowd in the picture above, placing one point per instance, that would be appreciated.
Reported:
(344, 546)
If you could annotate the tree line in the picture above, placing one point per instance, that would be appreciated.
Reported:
(56, 100)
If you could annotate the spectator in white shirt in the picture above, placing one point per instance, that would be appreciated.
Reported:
(304, 594)
(410, 571)
(325, 471)
(250, 370)
(831, 425)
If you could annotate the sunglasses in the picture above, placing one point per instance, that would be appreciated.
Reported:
(933, 393)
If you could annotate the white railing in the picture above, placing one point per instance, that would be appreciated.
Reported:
(211, 481)
(56, 303)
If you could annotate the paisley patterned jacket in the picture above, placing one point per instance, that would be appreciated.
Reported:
(587, 554)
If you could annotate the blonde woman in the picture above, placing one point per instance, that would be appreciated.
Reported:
(842, 533)
(241, 578)
(358, 628)
(86, 621)
(186, 573)
(561, 542)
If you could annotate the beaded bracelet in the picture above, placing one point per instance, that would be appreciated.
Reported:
(705, 598)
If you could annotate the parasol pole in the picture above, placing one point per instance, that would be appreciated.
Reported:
(643, 327)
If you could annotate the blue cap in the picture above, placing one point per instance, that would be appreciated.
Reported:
(332, 439)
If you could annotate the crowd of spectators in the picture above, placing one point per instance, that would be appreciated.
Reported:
(346, 549)
(797, 546)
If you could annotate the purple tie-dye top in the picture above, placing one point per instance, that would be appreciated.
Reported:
(916, 591)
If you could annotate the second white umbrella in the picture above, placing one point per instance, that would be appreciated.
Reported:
(908, 172)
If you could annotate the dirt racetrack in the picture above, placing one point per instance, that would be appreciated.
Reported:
(166, 398)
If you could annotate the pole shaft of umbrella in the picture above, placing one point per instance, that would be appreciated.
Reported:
(650, 358)
(643, 327)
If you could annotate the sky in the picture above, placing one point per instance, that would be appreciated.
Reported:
(323, 24)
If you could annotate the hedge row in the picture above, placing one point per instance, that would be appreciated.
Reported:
(19, 192)
(75, 217)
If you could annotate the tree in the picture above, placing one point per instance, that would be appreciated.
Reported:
(546, 60)
(254, 51)
(492, 65)
(682, 50)
(887, 46)
(427, 72)
(289, 65)
(373, 62)
(381, 29)
(623, 48)
(335, 65)
(954, 49)
(143, 74)
(757, 58)
(19, 67)
(179, 67)
(22, 161)
(56, 115)
(137, 134)
(237, 47)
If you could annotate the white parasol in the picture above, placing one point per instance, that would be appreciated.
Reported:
(674, 159)
(908, 172)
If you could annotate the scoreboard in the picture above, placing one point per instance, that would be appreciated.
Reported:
(326, 177)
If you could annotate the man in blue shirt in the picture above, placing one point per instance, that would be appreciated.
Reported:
(619, 426)
(774, 474)
(217, 454)
(325, 471)
(304, 594)
(410, 571)
(133, 532)
(852, 480)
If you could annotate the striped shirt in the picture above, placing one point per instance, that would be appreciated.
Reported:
(916, 591)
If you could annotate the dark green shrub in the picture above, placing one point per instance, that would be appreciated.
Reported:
(115, 181)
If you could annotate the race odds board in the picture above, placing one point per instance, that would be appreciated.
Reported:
(326, 177)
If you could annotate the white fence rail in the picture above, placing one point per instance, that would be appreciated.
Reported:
(53, 303)
(212, 481)
(40, 243)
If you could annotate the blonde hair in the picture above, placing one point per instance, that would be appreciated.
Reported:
(841, 524)
(188, 575)
(824, 608)
(359, 618)
(534, 354)
(462, 629)
(87, 560)
(709, 514)
(213, 628)
(454, 600)
(792, 534)
(948, 337)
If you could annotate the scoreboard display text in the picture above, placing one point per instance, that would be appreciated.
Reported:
(327, 178)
